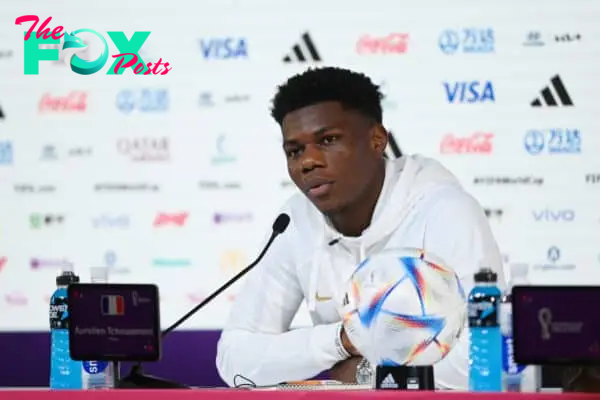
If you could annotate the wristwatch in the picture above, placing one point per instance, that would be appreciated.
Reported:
(364, 372)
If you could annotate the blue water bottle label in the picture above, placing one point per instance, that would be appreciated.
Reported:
(94, 367)
(509, 366)
(59, 314)
(483, 311)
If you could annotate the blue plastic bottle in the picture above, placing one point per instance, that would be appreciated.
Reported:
(64, 372)
(485, 338)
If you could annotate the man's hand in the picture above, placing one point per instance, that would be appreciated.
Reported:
(348, 344)
(345, 371)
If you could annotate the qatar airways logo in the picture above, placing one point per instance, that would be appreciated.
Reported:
(477, 143)
(145, 148)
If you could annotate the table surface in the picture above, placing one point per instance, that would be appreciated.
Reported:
(232, 394)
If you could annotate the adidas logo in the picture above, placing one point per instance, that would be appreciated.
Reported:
(309, 53)
(550, 99)
(389, 382)
(1, 113)
(393, 150)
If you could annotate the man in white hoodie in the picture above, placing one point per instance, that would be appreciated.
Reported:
(354, 203)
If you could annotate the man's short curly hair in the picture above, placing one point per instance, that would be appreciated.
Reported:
(353, 90)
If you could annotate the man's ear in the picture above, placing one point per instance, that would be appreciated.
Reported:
(379, 139)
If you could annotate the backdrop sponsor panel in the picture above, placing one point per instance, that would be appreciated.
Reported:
(175, 179)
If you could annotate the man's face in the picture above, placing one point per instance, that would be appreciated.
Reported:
(332, 154)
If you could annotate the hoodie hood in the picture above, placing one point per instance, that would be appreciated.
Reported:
(408, 180)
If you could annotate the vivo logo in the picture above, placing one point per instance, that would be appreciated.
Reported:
(107, 221)
(554, 215)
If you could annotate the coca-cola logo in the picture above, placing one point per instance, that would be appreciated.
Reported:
(75, 101)
(394, 43)
(479, 142)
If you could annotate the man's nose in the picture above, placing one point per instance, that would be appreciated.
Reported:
(312, 158)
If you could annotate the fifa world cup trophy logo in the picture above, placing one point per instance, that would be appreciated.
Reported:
(545, 320)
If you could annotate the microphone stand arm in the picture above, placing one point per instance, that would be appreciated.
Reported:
(137, 379)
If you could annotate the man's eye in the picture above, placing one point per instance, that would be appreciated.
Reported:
(292, 153)
(329, 139)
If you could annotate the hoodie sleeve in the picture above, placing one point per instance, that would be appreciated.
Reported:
(256, 345)
(458, 232)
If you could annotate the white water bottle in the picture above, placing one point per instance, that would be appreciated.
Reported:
(98, 374)
(515, 377)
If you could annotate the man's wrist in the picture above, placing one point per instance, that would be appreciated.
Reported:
(347, 343)
(339, 343)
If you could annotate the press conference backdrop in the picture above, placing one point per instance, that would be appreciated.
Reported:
(175, 179)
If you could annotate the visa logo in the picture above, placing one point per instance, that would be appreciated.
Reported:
(223, 48)
(470, 92)
(554, 215)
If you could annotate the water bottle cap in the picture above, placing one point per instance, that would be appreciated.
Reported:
(486, 275)
(66, 278)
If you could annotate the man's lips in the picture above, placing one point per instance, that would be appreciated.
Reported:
(320, 189)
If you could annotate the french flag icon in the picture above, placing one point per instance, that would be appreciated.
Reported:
(113, 305)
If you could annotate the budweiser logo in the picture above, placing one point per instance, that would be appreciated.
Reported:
(74, 101)
(2, 262)
(394, 43)
(170, 219)
(480, 142)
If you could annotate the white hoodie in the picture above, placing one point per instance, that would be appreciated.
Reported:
(422, 205)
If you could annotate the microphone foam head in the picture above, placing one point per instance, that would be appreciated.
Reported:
(281, 223)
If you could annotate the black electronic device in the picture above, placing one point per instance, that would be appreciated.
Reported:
(114, 322)
(556, 325)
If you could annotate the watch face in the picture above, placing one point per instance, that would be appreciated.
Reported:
(364, 372)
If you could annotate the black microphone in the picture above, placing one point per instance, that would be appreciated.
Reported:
(136, 379)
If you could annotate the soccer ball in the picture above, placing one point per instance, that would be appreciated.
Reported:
(406, 307)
